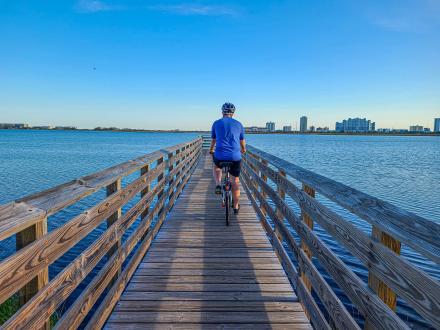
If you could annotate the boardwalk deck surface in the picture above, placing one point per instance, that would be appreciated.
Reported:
(200, 274)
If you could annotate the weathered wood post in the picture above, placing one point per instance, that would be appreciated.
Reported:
(111, 189)
(160, 177)
(145, 170)
(309, 223)
(282, 193)
(170, 168)
(254, 185)
(264, 163)
(382, 290)
(22, 239)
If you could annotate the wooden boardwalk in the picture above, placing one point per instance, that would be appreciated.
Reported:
(201, 274)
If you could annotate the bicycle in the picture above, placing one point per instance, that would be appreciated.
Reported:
(226, 189)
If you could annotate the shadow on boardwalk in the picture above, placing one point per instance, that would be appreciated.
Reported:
(201, 274)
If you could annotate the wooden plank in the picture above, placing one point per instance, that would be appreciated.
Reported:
(144, 170)
(203, 279)
(417, 288)
(382, 290)
(209, 259)
(353, 287)
(207, 295)
(208, 317)
(312, 310)
(218, 266)
(195, 270)
(215, 244)
(216, 326)
(76, 313)
(309, 222)
(106, 306)
(409, 228)
(22, 266)
(111, 189)
(210, 272)
(52, 296)
(28, 210)
(208, 305)
(231, 253)
(15, 217)
(213, 287)
(30, 289)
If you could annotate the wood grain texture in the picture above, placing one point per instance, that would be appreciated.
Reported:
(28, 210)
(309, 222)
(48, 299)
(415, 286)
(22, 266)
(106, 306)
(367, 302)
(409, 228)
(15, 217)
(195, 271)
(336, 309)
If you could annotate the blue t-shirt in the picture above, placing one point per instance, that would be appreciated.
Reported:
(228, 133)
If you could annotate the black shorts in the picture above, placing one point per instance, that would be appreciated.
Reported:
(234, 170)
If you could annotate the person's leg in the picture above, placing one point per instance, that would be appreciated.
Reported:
(235, 191)
(217, 172)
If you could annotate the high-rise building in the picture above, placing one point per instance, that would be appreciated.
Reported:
(437, 125)
(355, 125)
(270, 126)
(303, 124)
(287, 128)
(416, 128)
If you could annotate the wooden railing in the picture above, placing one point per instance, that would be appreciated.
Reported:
(163, 174)
(390, 275)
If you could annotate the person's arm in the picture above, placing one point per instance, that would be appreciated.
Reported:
(243, 146)
(242, 141)
(213, 137)
(212, 148)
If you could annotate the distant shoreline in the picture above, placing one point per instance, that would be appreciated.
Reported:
(207, 132)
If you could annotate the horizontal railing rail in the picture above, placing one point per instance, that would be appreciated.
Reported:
(163, 175)
(390, 275)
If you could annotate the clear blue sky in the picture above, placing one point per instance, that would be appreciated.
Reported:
(171, 64)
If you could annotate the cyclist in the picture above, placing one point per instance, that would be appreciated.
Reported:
(228, 140)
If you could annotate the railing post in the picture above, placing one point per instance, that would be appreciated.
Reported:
(264, 177)
(309, 223)
(382, 290)
(159, 179)
(170, 168)
(22, 239)
(253, 184)
(144, 170)
(111, 189)
(279, 214)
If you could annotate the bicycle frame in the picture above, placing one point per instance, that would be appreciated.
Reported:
(227, 193)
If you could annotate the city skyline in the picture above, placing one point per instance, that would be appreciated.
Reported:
(349, 125)
(91, 63)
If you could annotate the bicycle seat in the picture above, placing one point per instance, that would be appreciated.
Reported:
(225, 164)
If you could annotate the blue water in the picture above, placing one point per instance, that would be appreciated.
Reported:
(402, 170)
